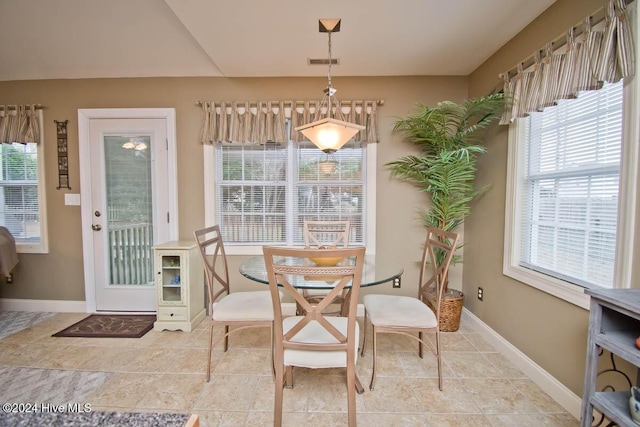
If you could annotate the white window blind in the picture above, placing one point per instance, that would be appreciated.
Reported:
(570, 198)
(252, 196)
(331, 188)
(20, 207)
(265, 192)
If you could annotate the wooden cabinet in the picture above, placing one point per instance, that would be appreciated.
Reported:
(180, 284)
(614, 325)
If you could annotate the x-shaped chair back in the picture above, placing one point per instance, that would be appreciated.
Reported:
(436, 259)
(326, 233)
(212, 252)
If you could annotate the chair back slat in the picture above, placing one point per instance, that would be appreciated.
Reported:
(214, 260)
(286, 266)
(326, 233)
(438, 252)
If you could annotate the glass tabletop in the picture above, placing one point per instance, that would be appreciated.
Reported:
(375, 272)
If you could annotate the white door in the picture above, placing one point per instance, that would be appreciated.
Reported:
(127, 209)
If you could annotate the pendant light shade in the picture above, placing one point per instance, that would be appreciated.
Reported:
(329, 134)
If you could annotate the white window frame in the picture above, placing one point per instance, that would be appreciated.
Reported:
(24, 245)
(210, 199)
(626, 209)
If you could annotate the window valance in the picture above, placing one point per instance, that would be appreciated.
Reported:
(19, 123)
(247, 122)
(583, 62)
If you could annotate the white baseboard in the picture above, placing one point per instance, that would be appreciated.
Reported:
(554, 388)
(57, 306)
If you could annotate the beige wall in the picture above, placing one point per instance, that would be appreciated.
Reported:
(58, 275)
(548, 330)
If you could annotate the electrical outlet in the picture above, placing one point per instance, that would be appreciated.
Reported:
(396, 282)
(480, 293)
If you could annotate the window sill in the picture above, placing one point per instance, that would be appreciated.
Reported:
(566, 291)
(31, 249)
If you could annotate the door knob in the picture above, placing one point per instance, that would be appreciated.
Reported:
(96, 227)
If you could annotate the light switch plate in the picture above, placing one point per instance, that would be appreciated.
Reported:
(72, 199)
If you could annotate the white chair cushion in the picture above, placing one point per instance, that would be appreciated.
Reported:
(391, 310)
(244, 306)
(315, 333)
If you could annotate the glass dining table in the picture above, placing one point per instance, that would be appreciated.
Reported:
(376, 271)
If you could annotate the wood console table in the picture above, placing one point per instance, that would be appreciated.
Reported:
(614, 325)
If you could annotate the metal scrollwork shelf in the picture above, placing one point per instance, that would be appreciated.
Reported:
(614, 325)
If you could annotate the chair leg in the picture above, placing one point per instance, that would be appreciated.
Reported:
(364, 334)
(277, 407)
(226, 337)
(351, 394)
(209, 353)
(420, 340)
(375, 357)
(344, 304)
(439, 358)
(273, 343)
(299, 310)
(288, 376)
(359, 387)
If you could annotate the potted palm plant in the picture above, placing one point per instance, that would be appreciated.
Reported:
(449, 138)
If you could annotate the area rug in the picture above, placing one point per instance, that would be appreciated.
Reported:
(110, 326)
(93, 418)
(15, 321)
(54, 386)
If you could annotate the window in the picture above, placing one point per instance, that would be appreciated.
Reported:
(22, 207)
(566, 196)
(265, 192)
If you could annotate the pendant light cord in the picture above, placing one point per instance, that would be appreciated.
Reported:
(329, 88)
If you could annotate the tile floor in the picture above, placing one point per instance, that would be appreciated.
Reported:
(164, 372)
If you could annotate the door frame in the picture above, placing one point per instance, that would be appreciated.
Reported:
(84, 149)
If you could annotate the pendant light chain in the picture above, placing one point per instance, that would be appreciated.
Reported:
(329, 87)
(330, 61)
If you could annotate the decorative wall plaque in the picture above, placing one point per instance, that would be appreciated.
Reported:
(63, 159)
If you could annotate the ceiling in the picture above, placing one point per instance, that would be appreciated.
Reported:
(61, 39)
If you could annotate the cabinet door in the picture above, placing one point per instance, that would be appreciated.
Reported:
(170, 278)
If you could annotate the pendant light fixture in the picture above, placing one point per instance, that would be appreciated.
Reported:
(332, 132)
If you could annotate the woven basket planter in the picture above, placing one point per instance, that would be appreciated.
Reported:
(450, 310)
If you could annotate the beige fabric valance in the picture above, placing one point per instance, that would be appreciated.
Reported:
(584, 63)
(19, 123)
(259, 122)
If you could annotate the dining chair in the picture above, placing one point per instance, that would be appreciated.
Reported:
(408, 315)
(239, 310)
(325, 234)
(314, 340)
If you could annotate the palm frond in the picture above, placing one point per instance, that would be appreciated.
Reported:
(449, 137)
